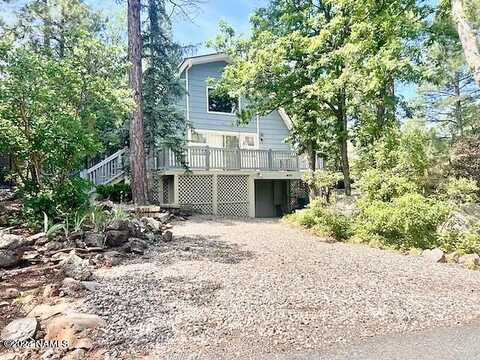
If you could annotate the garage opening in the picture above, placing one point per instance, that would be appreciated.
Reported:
(271, 198)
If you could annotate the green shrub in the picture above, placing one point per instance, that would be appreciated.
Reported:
(120, 192)
(322, 221)
(384, 186)
(465, 242)
(410, 220)
(462, 190)
(58, 202)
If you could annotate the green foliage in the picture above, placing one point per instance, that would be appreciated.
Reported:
(164, 121)
(58, 202)
(119, 192)
(383, 186)
(322, 221)
(410, 220)
(465, 242)
(465, 158)
(462, 190)
(322, 183)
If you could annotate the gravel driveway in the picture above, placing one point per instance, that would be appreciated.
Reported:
(255, 288)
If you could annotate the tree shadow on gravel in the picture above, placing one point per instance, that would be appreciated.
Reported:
(200, 248)
(140, 308)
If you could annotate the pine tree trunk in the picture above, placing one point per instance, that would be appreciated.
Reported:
(467, 38)
(137, 146)
(343, 144)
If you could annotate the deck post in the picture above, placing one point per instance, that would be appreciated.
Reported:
(251, 196)
(215, 194)
(164, 154)
(175, 190)
(270, 159)
(239, 158)
(207, 158)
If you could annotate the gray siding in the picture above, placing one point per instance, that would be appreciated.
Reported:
(272, 127)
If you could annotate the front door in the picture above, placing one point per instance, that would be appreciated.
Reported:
(264, 204)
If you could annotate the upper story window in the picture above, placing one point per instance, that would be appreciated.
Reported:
(221, 102)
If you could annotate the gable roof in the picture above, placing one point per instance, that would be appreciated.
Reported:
(216, 57)
(202, 59)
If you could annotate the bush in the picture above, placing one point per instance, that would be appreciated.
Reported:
(462, 190)
(384, 186)
(465, 158)
(410, 220)
(58, 202)
(120, 192)
(322, 220)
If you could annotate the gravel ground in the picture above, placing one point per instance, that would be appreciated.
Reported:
(242, 289)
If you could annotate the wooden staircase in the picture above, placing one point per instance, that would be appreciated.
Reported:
(109, 171)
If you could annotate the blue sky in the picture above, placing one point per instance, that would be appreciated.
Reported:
(204, 23)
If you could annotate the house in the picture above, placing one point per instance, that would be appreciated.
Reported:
(235, 170)
(246, 170)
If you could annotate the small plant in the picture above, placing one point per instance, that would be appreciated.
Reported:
(323, 183)
(462, 190)
(119, 193)
(55, 229)
(119, 214)
(97, 217)
(322, 221)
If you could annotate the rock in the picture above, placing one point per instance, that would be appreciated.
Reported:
(77, 354)
(34, 238)
(50, 290)
(113, 258)
(452, 257)
(31, 256)
(415, 252)
(10, 293)
(163, 217)
(167, 236)
(152, 224)
(75, 236)
(119, 225)
(90, 285)
(54, 246)
(435, 255)
(115, 238)
(75, 267)
(84, 343)
(71, 286)
(9, 356)
(94, 239)
(20, 329)
(73, 328)
(59, 256)
(471, 261)
(12, 242)
(137, 246)
(8, 258)
(45, 311)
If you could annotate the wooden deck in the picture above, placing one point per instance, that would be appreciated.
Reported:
(209, 158)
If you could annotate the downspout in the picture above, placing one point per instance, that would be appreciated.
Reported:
(258, 131)
(188, 92)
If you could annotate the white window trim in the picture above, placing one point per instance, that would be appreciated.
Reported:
(224, 133)
(219, 112)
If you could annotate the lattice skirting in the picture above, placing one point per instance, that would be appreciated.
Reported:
(233, 195)
(196, 192)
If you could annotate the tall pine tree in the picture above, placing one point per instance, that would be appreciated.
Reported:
(165, 124)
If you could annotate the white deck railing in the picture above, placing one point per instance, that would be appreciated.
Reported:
(209, 158)
(107, 170)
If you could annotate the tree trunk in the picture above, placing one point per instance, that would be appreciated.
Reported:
(467, 38)
(458, 105)
(343, 144)
(313, 191)
(137, 146)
